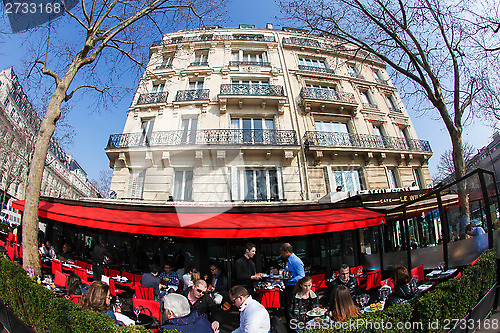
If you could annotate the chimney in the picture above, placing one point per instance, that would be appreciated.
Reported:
(269, 26)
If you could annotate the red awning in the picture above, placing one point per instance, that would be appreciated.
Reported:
(209, 223)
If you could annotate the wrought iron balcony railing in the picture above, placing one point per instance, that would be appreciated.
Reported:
(329, 139)
(327, 46)
(249, 63)
(247, 89)
(395, 110)
(316, 69)
(152, 98)
(192, 95)
(370, 106)
(199, 63)
(204, 137)
(327, 95)
(164, 66)
(203, 38)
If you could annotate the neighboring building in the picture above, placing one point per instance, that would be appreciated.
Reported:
(245, 114)
(488, 158)
(62, 176)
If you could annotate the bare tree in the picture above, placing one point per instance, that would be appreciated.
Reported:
(446, 166)
(104, 182)
(106, 32)
(424, 41)
(14, 163)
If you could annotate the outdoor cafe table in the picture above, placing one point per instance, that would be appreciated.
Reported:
(440, 275)
(144, 319)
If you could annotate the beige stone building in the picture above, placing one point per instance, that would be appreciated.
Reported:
(63, 177)
(245, 114)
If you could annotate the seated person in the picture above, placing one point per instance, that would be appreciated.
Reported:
(179, 317)
(66, 254)
(188, 277)
(341, 305)
(47, 252)
(218, 283)
(344, 279)
(304, 300)
(169, 278)
(98, 299)
(202, 302)
(151, 280)
(75, 285)
(405, 289)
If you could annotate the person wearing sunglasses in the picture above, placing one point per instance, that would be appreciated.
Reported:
(178, 316)
(218, 281)
(253, 315)
(201, 301)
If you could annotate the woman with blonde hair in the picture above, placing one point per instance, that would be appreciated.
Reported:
(98, 299)
(304, 300)
(341, 305)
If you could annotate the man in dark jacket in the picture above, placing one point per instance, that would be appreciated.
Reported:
(100, 258)
(151, 280)
(179, 317)
(344, 279)
(200, 301)
(245, 268)
(218, 281)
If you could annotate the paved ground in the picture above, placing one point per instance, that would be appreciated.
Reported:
(491, 322)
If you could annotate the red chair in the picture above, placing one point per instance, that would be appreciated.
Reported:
(475, 261)
(418, 273)
(111, 272)
(56, 266)
(270, 298)
(82, 273)
(112, 288)
(372, 279)
(10, 252)
(149, 307)
(144, 293)
(319, 282)
(60, 279)
(75, 298)
(387, 282)
(85, 265)
(356, 270)
(130, 278)
(458, 275)
(137, 279)
(2, 243)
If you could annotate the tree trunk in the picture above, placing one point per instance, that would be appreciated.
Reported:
(459, 163)
(47, 127)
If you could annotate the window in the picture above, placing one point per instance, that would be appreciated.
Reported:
(251, 82)
(379, 136)
(257, 185)
(347, 180)
(195, 85)
(249, 57)
(136, 183)
(377, 74)
(353, 70)
(253, 130)
(406, 140)
(418, 179)
(392, 104)
(323, 92)
(166, 60)
(146, 131)
(332, 133)
(391, 178)
(312, 64)
(366, 99)
(189, 127)
(157, 88)
(200, 58)
(183, 185)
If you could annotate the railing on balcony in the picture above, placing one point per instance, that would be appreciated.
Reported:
(248, 89)
(327, 46)
(316, 69)
(370, 106)
(199, 63)
(327, 95)
(152, 98)
(164, 66)
(258, 38)
(204, 137)
(192, 95)
(329, 139)
(395, 110)
(249, 63)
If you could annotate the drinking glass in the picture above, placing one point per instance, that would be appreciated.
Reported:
(137, 311)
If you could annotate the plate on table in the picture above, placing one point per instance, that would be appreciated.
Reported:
(316, 312)
(374, 307)
(317, 321)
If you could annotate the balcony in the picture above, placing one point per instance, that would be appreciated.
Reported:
(192, 95)
(254, 90)
(152, 98)
(204, 137)
(395, 110)
(326, 99)
(249, 63)
(370, 106)
(316, 69)
(329, 139)
(198, 63)
(205, 38)
(164, 66)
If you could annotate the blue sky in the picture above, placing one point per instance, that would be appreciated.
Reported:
(93, 126)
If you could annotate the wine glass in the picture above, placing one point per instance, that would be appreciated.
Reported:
(137, 311)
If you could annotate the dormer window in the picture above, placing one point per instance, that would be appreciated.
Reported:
(200, 58)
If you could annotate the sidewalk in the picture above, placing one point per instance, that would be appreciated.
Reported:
(492, 321)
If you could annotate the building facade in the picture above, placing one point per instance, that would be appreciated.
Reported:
(245, 114)
(488, 157)
(63, 177)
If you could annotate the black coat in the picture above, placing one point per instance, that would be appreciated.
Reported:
(205, 305)
(221, 286)
(245, 269)
(351, 284)
(300, 306)
(404, 293)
